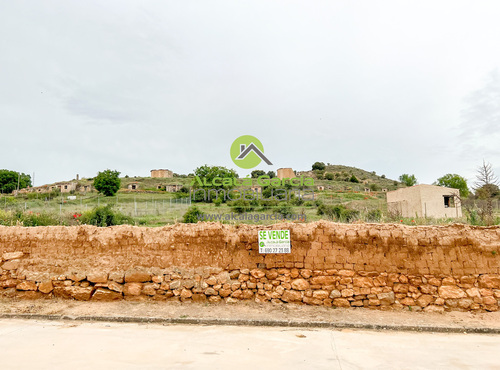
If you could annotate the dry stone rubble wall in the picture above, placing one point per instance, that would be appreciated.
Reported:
(381, 266)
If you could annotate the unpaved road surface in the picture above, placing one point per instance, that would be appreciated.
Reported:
(250, 311)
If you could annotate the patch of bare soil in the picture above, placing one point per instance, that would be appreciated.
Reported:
(251, 311)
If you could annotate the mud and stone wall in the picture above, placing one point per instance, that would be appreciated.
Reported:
(383, 266)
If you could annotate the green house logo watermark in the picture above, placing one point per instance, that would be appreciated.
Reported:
(247, 152)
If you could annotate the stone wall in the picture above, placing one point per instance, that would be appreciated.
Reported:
(384, 266)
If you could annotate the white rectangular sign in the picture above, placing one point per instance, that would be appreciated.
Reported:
(274, 241)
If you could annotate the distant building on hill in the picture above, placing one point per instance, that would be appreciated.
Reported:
(64, 187)
(173, 187)
(285, 173)
(162, 173)
(133, 186)
(425, 201)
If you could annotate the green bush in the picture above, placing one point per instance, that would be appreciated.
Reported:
(319, 174)
(473, 218)
(241, 206)
(329, 176)
(268, 204)
(338, 212)
(105, 216)
(191, 216)
(296, 201)
(349, 215)
(284, 209)
(353, 179)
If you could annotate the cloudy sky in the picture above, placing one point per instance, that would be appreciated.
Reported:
(388, 86)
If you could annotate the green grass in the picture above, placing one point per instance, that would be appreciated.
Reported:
(152, 207)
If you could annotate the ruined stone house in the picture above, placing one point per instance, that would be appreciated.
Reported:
(133, 186)
(162, 173)
(285, 173)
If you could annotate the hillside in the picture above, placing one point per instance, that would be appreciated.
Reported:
(342, 175)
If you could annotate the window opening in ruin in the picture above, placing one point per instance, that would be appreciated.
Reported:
(449, 201)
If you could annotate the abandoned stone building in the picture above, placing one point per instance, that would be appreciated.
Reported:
(162, 173)
(133, 186)
(425, 201)
(173, 187)
(285, 173)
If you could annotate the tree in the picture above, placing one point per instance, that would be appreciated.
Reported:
(9, 181)
(318, 166)
(256, 173)
(353, 179)
(408, 180)
(107, 182)
(206, 174)
(486, 186)
(271, 174)
(452, 180)
(211, 172)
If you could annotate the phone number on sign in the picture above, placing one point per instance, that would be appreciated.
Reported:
(275, 250)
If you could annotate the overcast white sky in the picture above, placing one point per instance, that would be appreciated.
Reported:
(388, 86)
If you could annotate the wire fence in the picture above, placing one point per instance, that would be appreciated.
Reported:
(131, 206)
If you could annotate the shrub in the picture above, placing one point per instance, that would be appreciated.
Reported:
(191, 216)
(329, 176)
(296, 201)
(105, 216)
(353, 179)
(349, 215)
(338, 212)
(184, 189)
(473, 218)
(374, 187)
(319, 174)
(268, 204)
(284, 209)
(241, 206)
